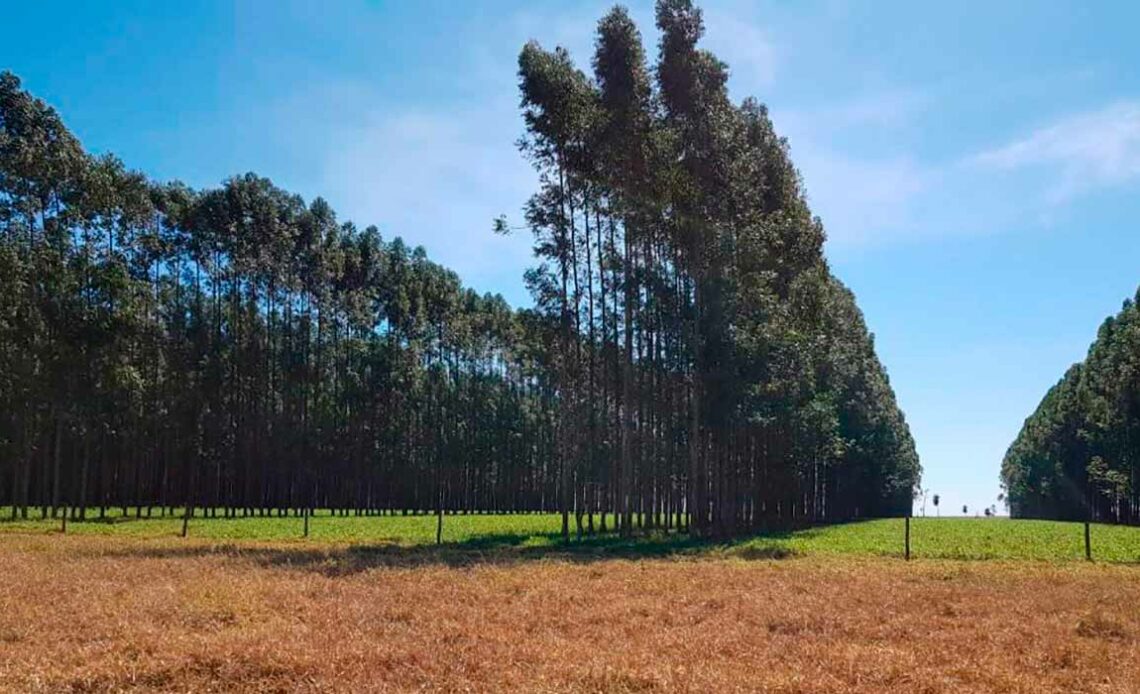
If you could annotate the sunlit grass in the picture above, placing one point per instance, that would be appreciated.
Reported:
(944, 538)
(964, 538)
(323, 526)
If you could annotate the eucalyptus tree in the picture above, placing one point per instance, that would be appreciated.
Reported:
(1076, 456)
(237, 349)
(723, 291)
(42, 167)
(559, 107)
(690, 362)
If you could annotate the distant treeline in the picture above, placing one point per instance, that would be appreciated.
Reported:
(690, 362)
(1078, 455)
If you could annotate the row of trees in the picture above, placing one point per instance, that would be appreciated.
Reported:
(236, 348)
(690, 360)
(1077, 456)
(706, 358)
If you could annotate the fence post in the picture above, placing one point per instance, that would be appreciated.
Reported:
(907, 538)
(1088, 544)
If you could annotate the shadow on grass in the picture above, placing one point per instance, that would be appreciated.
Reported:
(499, 549)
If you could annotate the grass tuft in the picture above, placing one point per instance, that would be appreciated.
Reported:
(1099, 626)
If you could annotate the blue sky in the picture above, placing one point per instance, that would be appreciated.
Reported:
(976, 164)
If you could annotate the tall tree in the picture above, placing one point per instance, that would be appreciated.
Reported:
(690, 361)
(1077, 455)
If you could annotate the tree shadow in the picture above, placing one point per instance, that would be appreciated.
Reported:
(484, 550)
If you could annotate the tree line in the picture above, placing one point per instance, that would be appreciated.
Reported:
(238, 349)
(706, 358)
(1077, 456)
(689, 363)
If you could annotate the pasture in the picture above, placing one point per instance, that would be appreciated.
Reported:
(538, 534)
(370, 604)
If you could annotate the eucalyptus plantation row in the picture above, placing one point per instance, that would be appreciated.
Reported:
(710, 370)
(690, 362)
(235, 348)
(1077, 456)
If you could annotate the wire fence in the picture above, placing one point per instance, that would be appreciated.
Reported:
(905, 538)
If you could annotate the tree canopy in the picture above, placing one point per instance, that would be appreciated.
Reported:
(1077, 456)
(707, 357)
(689, 362)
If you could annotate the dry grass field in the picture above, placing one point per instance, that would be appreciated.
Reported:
(102, 614)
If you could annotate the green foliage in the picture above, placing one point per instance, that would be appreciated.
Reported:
(690, 361)
(726, 341)
(237, 348)
(1078, 455)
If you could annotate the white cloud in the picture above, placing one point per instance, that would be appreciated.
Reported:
(436, 175)
(1090, 150)
(738, 40)
(862, 200)
(438, 179)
